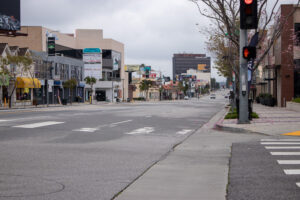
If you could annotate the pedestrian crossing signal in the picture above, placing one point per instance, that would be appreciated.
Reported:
(248, 14)
(249, 52)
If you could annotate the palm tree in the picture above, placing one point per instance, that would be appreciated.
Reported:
(145, 85)
(90, 81)
(71, 84)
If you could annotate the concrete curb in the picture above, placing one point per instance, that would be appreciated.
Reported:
(221, 127)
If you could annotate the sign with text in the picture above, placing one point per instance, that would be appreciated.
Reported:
(132, 68)
(10, 15)
(92, 58)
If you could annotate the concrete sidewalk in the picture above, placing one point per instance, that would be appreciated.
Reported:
(197, 169)
(272, 121)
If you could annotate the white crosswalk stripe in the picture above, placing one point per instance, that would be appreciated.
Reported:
(184, 132)
(283, 147)
(288, 162)
(39, 124)
(140, 131)
(293, 147)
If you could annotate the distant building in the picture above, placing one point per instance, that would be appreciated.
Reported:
(184, 62)
(114, 82)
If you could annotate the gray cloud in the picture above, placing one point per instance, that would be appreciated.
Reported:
(151, 30)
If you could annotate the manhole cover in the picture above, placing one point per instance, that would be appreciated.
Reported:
(20, 186)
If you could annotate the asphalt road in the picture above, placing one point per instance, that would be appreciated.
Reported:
(266, 169)
(91, 152)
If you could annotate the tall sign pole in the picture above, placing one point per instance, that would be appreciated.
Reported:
(248, 20)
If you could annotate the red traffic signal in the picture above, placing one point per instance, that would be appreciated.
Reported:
(249, 52)
(248, 1)
(248, 14)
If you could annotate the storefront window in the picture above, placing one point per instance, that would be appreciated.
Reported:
(23, 93)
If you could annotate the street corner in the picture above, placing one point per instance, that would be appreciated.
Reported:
(295, 133)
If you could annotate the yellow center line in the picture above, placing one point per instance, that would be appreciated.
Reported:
(296, 133)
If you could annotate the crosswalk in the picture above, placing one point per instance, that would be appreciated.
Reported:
(287, 154)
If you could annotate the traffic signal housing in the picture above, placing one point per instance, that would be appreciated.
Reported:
(249, 52)
(51, 46)
(248, 14)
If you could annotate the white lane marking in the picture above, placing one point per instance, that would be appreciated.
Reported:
(145, 130)
(292, 171)
(282, 147)
(101, 126)
(279, 143)
(87, 130)
(184, 131)
(288, 162)
(40, 124)
(148, 116)
(3, 120)
(285, 153)
(298, 184)
(279, 140)
(122, 122)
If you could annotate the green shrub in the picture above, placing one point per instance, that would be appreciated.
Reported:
(234, 115)
(254, 115)
(296, 100)
(139, 99)
(231, 116)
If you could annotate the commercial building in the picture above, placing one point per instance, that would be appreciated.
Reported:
(53, 72)
(17, 83)
(42, 81)
(184, 62)
(279, 73)
(114, 82)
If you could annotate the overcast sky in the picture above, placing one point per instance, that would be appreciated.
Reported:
(152, 30)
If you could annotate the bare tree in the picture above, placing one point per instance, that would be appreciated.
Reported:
(224, 15)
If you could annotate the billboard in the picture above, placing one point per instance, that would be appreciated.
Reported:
(10, 15)
(92, 58)
(201, 67)
(132, 68)
(116, 57)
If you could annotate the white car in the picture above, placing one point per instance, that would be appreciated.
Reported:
(213, 96)
(186, 98)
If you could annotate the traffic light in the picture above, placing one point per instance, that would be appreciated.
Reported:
(51, 46)
(248, 14)
(249, 52)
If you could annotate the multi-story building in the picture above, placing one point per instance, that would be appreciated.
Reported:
(184, 62)
(52, 72)
(279, 73)
(17, 83)
(114, 81)
(41, 82)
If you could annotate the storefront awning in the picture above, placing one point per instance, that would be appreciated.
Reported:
(24, 82)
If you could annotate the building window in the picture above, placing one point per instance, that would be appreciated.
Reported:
(23, 93)
(297, 34)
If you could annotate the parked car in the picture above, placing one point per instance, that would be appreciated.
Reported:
(186, 98)
(213, 96)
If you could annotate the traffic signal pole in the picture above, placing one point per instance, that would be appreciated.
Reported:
(243, 91)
